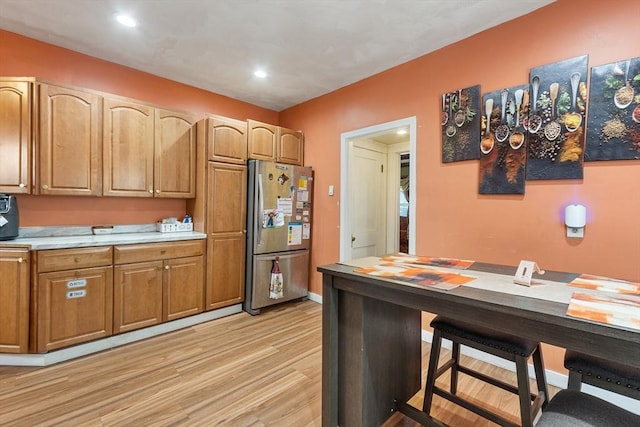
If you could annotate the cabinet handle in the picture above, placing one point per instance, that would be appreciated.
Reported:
(76, 260)
(45, 187)
(166, 267)
(22, 185)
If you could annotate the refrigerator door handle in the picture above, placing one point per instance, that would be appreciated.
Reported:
(260, 210)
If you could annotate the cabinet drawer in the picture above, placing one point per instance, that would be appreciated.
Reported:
(126, 254)
(69, 259)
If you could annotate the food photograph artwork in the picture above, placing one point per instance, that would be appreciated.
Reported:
(460, 121)
(556, 120)
(613, 131)
(503, 145)
(546, 129)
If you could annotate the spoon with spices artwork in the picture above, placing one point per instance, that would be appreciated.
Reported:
(486, 145)
(573, 119)
(624, 96)
(502, 131)
(535, 121)
(552, 129)
(517, 137)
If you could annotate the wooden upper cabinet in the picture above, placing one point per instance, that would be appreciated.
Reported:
(69, 142)
(175, 155)
(290, 147)
(128, 140)
(15, 136)
(262, 140)
(226, 140)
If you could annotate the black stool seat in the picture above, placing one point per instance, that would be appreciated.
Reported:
(572, 408)
(486, 337)
(509, 347)
(613, 376)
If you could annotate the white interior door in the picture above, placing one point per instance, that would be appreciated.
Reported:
(367, 195)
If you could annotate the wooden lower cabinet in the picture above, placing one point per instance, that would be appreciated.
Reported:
(14, 300)
(225, 263)
(154, 284)
(74, 306)
(137, 296)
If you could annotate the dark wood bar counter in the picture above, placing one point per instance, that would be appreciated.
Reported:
(371, 338)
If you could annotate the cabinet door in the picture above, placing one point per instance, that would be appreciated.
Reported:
(225, 274)
(14, 300)
(127, 149)
(183, 287)
(74, 306)
(226, 227)
(137, 296)
(290, 147)
(226, 140)
(262, 140)
(69, 144)
(15, 136)
(175, 155)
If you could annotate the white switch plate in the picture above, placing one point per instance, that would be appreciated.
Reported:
(331, 190)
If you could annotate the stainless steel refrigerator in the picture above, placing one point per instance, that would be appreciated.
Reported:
(279, 215)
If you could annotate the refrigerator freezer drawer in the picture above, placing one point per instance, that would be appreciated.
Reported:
(295, 273)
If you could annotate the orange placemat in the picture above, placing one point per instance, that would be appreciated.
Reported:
(619, 311)
(417, 275)
(426, 260)
(606, 284)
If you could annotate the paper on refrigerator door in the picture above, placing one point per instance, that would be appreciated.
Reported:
(272, 218)
(295, 233)
(285, 205)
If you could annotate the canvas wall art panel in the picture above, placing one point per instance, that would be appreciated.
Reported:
(613, 122)
(556, 121)
(503, 152)
(460, 121)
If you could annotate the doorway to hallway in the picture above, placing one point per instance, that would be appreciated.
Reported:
(376, 205)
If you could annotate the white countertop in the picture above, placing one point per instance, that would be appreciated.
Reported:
(86, 240)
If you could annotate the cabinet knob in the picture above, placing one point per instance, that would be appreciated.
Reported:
(151, 190)
(22, 185)
(166, 267)
(20, 259)
(157, 191)
(45, 187)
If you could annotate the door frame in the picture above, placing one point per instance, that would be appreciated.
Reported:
(345, 138)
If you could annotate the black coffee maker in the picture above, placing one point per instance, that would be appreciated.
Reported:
(9, 218)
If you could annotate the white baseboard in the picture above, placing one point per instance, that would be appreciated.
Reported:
(315, 297)
(57, 356)
(554, 378)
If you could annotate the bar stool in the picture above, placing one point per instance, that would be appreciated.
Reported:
(577, 409)
(598, 372)
(506, 346)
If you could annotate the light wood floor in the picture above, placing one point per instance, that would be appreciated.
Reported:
(236, 371)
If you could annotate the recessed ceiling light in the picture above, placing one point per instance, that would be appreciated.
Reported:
(126, 20)
(260, 74)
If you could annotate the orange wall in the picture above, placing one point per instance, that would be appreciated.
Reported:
(500, 229)
(21, 56)
(453, 220)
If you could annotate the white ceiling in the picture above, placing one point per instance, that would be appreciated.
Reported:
(308, 47)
